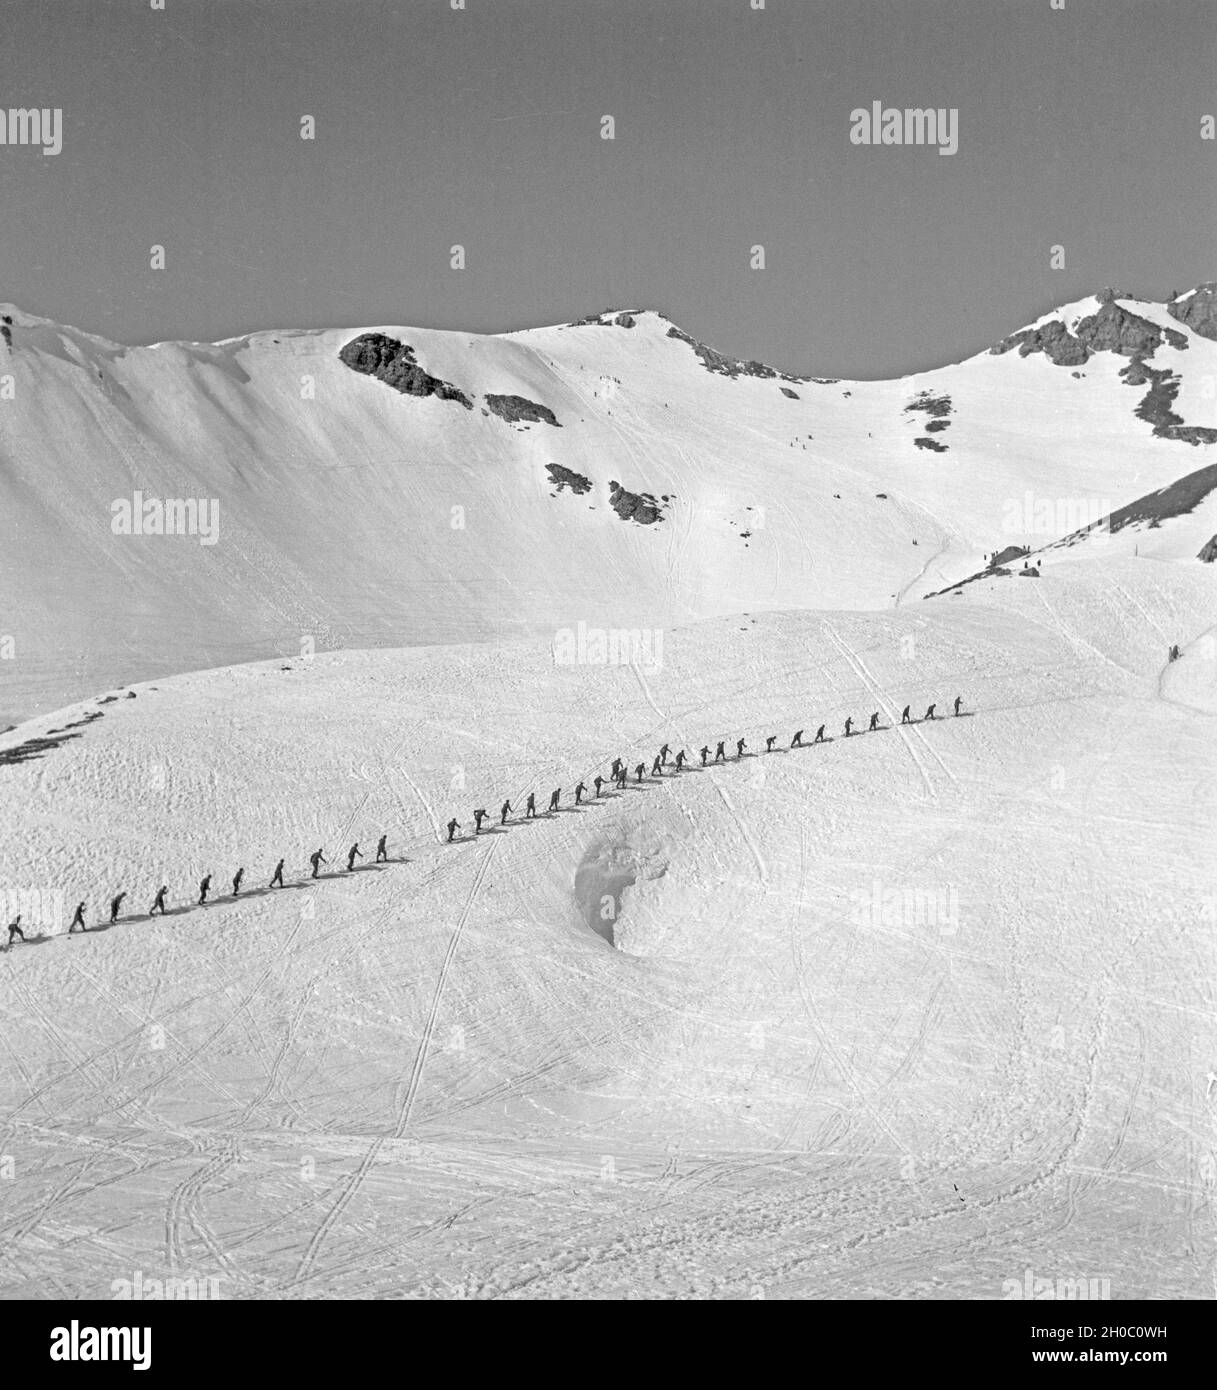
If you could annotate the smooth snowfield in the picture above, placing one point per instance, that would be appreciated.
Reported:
(903, 1015)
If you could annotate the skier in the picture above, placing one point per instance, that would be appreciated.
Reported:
(579, 790)
(639, 771)
(740, 745)
(353, 854)
(478, 817)
(530, 807)
(159, 900)
(597, 782)
(819, 738)
(718, 753)
(769, 743)
(929, 714)
(78, 919)
(904, 715)
(680, 760)
(849, 723)
(204, 885)
(236, 882)
(958, 704)
(277, 876)
(504, 812)
(382, 853)
(663, 754)
(657, 767)
(116, 903)
(874, 724)
(553, 800)
(453, 826)
(316, 859)
(14, 929)
(797, 741)
(705, 753)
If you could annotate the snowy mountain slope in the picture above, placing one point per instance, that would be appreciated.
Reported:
(902, 1015)
(352, 514)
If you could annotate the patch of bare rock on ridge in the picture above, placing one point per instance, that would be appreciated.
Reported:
(1116, 329)
(938, 410)
(516, 408)
(394, 363)
(563, 478)
(1198, 310)
(718, 362)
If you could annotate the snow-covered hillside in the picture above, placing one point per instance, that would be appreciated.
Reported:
(333, 509)
(900, 1015)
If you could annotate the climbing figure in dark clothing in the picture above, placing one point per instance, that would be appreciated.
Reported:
(797, 741)
(680, 760)
(353, 854)
(78, 919)
(277, 876)
(382, 853)
(553, 800)
(740, 745)
(640, 771)
(579, 790)
(663, 754)
(819, 738)
(453, 826)
(159, 900)
(204, 885)
(849, 724)
(904, 715)
(719, 754)
(116, 904)
(316, 859)
(504, 812)
(14, 929)
(478, 817)
(621, 778)
(705, 753)
(657, 767)
(597, 782)
(530, 806)
(959, 700)
(769, 742)
(874, 724)
(929, 714)
(616, 769)
(236, 882)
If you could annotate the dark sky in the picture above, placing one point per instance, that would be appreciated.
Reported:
(1078, 127)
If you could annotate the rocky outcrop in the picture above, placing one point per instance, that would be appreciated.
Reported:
(1111, 328)
(1198, 311)
(605, 320)
(6, 330)
(641, 507)
(563, 478)
(926, 443)
(394, 363)
(786, 391)
(516, 408)
(1208, 552)
(1155, 406)
(722, 365)
(937, 407)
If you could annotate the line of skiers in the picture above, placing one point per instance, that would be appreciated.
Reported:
(316, 859)
(618, 776)
(619, 772)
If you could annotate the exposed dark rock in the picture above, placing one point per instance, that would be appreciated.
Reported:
(714, 361)
(1011, 552)
(933, 426)
(1053, 339)
(1199, 312)
(634, 506)
(1112, 328)
(1208, 552)
(1176, 499)
(936, 406)
(515, 408)
(927, 443)
(786, 391)
(376, 354)
(625, 320)
(1028, 574)
(1155, 406)
(568, 478)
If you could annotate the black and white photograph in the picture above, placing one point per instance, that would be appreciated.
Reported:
(608, 660)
